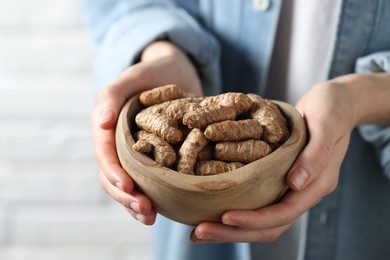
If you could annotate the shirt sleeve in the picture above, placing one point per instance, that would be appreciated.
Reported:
(122, 29)
(378, 136)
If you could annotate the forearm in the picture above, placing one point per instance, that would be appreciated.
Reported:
(369, 96)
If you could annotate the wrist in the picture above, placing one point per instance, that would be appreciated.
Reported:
(160, 49)
(369, 95)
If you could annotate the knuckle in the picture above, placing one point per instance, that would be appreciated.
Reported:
(331, 187)
(288, 220)
(319, 157)
(291, 213)
(109, 91)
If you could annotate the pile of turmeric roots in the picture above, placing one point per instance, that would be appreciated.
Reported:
(207, 135)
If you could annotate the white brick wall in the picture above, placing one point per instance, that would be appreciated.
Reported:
(75, 224)
(45, 52)
(51, 204)
(39, 15)
(2, 226)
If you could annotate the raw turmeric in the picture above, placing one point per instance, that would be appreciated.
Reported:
(157, 108)
(161, 125)
(177, 110)
(239, 101)
(162, 107)
(142, 146)
(273, 122)
(203, 116)
(214, 140)
(188, 152)
(207, 153)
(244, 151)
(160, 94)
(212, 167)
(162, 150)
(234, 130)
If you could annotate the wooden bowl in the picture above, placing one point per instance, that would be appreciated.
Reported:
(192, 199)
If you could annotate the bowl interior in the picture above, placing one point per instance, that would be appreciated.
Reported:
(190, 199)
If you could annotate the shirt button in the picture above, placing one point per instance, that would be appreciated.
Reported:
(261, 5)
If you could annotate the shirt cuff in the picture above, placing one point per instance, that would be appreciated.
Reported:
(378, 136)
(129, 35)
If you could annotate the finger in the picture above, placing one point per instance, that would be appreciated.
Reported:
(135, 201)
(294, 203)
(110, 101)
(210, 232)
(323, 151)
(134, 214)
(316, 156)
(104, 119)
(283, 213)
(263, 225)
(112, 98)
(148, 219)
(310, 163)
(106, 156)
(137, 78)
(327, 122)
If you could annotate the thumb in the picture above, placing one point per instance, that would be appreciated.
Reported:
(110, 101)
(112, 98)
(311, 162)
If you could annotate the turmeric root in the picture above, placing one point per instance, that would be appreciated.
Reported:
(211, 167)
(162, 150)
(244, 151)
(162, 107)
(188, 152)
(158, 108)
(234, 130)
(203, 116)
(239, 101)
(177, 110)
(171, 116)
(161, 125)
(273, 122)
(142, 146)
(207, 153)
(160, 94)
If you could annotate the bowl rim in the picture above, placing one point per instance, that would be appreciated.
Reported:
(192, 182)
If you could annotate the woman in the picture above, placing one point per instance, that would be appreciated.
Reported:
(299, 51)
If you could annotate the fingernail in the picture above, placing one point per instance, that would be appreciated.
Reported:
(135, 206)
(299, 178)
(106, 115)
(229, 222)
(140, 218)
(206, 236)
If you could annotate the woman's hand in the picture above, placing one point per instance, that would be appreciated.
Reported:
(161, 63)
(331, 110)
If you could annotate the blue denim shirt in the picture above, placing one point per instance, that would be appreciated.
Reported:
(231, 44)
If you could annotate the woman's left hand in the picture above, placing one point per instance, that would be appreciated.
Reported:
(328, 112)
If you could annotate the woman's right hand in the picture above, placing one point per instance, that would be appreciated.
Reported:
(161, 63)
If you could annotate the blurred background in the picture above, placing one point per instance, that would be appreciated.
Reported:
(51, 204)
